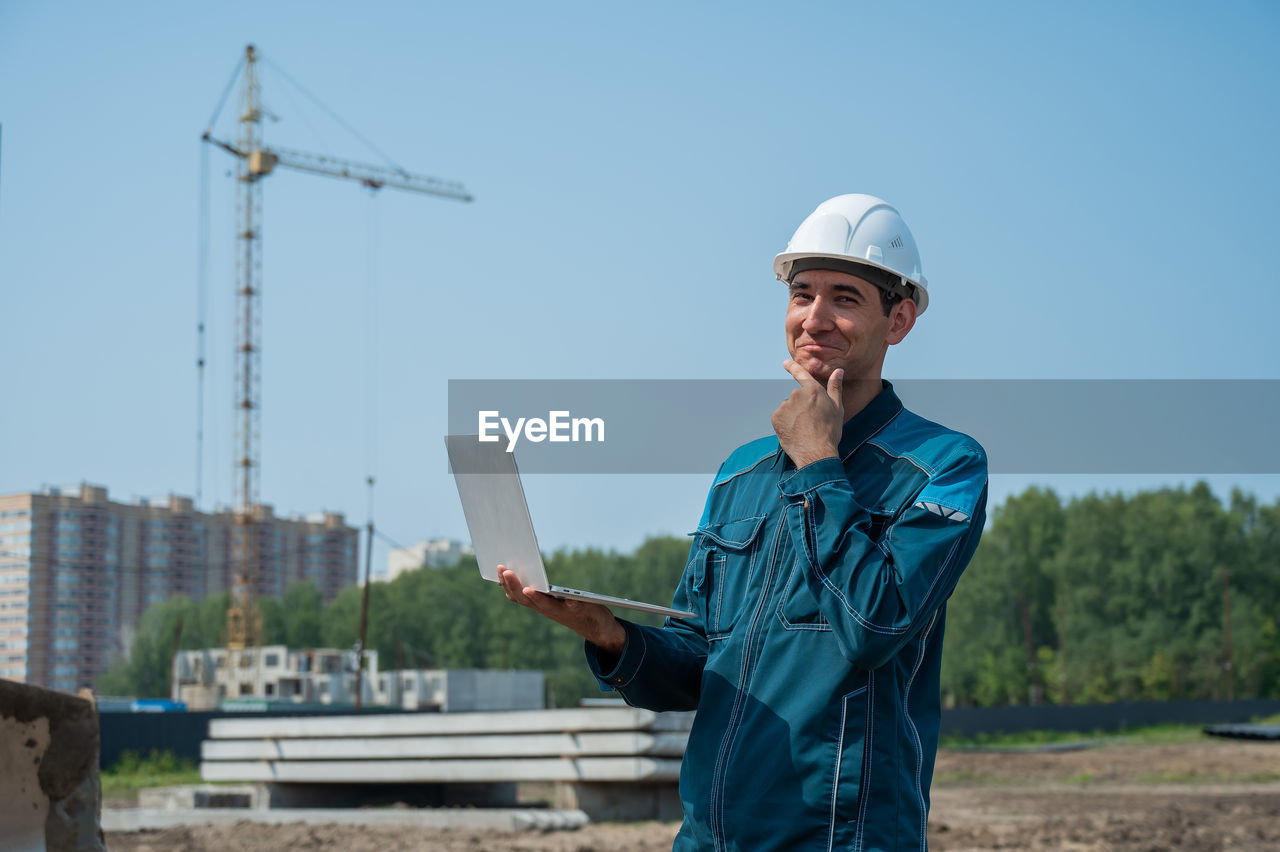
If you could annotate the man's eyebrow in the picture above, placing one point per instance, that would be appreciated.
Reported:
(839, 288)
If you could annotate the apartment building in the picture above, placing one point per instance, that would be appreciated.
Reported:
(77, 570)
(436, 553)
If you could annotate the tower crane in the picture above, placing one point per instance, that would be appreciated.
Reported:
(256, 161)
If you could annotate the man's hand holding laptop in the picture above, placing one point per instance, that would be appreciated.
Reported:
(593, 622)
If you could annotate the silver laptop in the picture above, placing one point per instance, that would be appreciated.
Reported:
(501, 530)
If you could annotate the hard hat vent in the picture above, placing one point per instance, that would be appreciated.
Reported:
(896, 242)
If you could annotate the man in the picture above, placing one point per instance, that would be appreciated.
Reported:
(819, 576)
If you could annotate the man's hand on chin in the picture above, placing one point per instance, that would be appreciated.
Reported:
(809, 422)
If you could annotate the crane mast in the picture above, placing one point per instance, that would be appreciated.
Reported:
(244, 619)
(254, 161)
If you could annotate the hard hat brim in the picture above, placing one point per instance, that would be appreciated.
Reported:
(782, 269)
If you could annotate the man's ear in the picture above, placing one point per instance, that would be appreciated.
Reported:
(901, 319)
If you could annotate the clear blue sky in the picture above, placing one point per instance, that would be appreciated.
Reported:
(1094, 188)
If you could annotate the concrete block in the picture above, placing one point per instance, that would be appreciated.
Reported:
(438, 724)
(591, 744)
(50, 798)
(23, 805)
(445, 771)
(465, 690)
(187, 796)
(620, 802)
(472, 819)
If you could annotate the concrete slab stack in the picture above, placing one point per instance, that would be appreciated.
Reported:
(613, 763)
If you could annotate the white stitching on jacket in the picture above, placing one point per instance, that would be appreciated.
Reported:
(868, 747)
(915, 732)
(835, 778)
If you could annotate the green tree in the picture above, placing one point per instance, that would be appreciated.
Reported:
(1091, 544)
(341, 619)
(1007, 588)
(164, 627)
(211, 621)
(272, 622)
(303, 614)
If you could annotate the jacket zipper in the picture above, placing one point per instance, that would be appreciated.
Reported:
(731, 730)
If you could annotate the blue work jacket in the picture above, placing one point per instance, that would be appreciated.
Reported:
(813, 659)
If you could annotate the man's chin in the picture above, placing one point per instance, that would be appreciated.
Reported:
(820, 370)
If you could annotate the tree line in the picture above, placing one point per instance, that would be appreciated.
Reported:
(1161, 595)
(1168, 594)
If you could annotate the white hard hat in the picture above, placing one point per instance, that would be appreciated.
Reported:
(857, 231)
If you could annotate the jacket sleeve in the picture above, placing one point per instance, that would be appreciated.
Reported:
(877, 594)
(659, 668)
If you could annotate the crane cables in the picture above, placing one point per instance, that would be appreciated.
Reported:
(372, 249)
(329, 112)
(202, 281)
(371, 416)
(235, 75)
(202, 300)
(371, 422)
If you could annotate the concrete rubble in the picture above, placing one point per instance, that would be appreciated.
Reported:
(50, 797)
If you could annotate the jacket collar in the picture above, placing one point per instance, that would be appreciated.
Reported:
(874, 416)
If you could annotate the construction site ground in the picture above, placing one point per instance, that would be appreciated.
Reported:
(1205, 795)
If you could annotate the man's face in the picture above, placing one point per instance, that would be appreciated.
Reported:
(835, 320)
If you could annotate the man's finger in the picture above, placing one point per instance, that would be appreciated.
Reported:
(524, 595)
(835, 388)
(800, 374)
(515, 591)
(510, 584)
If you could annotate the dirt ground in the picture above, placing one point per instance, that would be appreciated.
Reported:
(1208, 796)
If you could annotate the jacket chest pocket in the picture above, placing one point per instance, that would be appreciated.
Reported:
(798, 608)
(723, 563)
